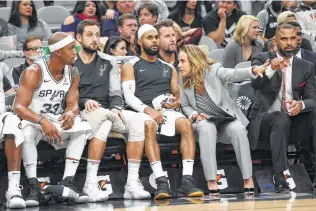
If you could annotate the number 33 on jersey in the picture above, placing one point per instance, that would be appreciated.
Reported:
(50, 96)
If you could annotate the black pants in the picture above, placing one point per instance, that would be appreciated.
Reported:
(280, 130)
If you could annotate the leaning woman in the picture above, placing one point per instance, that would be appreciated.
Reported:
(206, 101)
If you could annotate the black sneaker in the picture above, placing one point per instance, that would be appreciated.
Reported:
(70, 183)
(188, 188)
(280, 184)
(163, 191)
(34, 195)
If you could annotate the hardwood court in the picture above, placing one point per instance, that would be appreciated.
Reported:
(228, 202)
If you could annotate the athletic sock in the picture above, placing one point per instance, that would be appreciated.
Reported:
(157, 169)
(187, 167)
(133, 169)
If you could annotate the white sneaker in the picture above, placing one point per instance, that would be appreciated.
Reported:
(15, 199)
(94, 192)
(135, 190)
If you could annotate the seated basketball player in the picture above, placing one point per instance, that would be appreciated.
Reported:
(12, 135)
(101, 96)
(47, 102)
(147, 83)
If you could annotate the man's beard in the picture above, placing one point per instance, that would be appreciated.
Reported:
(286, 53)
(151, 52)
(89, 50)
(297, 49)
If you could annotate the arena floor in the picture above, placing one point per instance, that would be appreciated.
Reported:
(228, 202)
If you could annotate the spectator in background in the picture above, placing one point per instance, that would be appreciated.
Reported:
(245, 43)
(24, 23)
(299, 51)
(306, 18)
(116, 46)
(163, 10)
(268, 17)
(5, 69)
(187, 14)
(220, 24)
(31, 47)
(3, 28)
(147, 14)
(83, 10)
(289, 16)
(167, 42)
(10, 54)
(190, 36)
(127, 26)
(108, 9)
(271, 45)
(110, 26)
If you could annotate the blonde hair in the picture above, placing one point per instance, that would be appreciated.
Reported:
(242, 28)
(199, 63)
(177, 29)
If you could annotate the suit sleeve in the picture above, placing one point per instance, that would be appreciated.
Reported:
(309, 92)
(259, 83)
(187, 109)
(231, 75)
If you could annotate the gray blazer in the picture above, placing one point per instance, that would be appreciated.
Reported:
(215, 79)
(233, 53)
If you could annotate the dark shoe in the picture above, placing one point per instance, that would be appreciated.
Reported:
(280, 184)
(215, 193)
(34, 195)
(163, 191)
(70, 183)
(249, 191)
(188, 188)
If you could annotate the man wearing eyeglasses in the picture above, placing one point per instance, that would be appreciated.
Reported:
(30, 48)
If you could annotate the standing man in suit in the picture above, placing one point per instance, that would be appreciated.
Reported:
(283, 105)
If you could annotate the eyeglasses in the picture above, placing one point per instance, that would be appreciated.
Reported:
(34, 49)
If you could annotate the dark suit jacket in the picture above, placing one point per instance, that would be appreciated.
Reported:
(309, 56)
(267, 90)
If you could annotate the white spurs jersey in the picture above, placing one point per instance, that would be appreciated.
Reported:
(49, 97)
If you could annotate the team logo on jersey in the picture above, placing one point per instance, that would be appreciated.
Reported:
(66, 82)
(165, 72)
(102, 69)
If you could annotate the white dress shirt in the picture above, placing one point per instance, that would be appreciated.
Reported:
(299, 54)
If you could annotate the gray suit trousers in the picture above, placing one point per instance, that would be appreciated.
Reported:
(228, 133)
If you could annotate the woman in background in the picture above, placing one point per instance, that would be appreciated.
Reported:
(187, 14)
(246, 42)
(23, 23)
(83, 10)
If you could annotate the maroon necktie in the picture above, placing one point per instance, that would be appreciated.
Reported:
(283, 104)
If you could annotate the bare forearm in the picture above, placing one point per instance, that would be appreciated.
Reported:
(73, 108)
(26, 113)
(218, 35)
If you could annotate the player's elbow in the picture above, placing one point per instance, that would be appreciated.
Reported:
(17, 109)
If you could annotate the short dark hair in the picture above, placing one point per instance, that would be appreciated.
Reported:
(84, 23)
(152, 8)
(125, 16)
(163, 23)
(28, 40)
(294, 24)
(283, 26)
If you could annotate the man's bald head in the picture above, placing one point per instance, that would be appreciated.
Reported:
(62, 48)
(56, 37)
